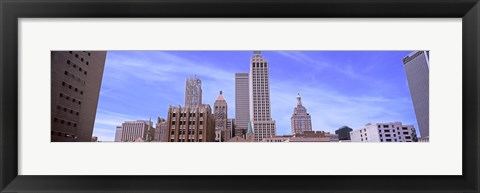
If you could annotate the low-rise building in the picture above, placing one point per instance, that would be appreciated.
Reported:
(160, 130)
(305, 136)
(130, 131)
(384, 132)
(343, 133)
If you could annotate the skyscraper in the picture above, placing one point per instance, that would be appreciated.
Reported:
(75, 88)
(417, 67)
(220, 111)
(301, 120)
(242, 107)
(259, 90)
(193, 92)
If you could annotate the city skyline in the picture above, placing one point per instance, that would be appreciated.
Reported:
(338, 87)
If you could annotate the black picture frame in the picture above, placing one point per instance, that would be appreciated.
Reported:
(12, 10)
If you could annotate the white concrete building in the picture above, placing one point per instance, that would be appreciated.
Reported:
(384, 132)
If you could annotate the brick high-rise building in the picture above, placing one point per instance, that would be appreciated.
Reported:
(190, 124)
(75, 88)
(417, 65)
(259, 90)
(301, 120)
(220, 110)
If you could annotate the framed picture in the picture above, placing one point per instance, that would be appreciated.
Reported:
(84, 81)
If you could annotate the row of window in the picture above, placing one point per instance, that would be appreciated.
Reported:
(74, 77)
(183, 140)
(64, 122)
(65, 109)
(182, 132)
(81, 59)
(185, 122)
(185, 114)
(60, 134)
(260, 65)
(76, 101)
(72, 87)
(77, 67)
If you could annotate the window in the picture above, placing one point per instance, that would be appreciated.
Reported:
(70, 52)
(87, 63)
(76, 55)
(68, 61)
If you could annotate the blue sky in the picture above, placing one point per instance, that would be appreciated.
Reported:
(337, 87)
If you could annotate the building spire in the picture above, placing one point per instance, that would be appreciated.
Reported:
(299, 100)
(250, 130)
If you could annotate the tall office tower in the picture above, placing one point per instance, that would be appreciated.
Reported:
(118, 134)
(75, 88)
(384, 132)
(230, 128)
(133, 130)
(301, 120)
(193, 92)
(417, 67)
(190, 124)
(161, 130)
(220, 111)
(259, 90)
(242, 107)
(343, 133)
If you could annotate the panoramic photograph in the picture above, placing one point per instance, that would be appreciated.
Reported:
(240, 96)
